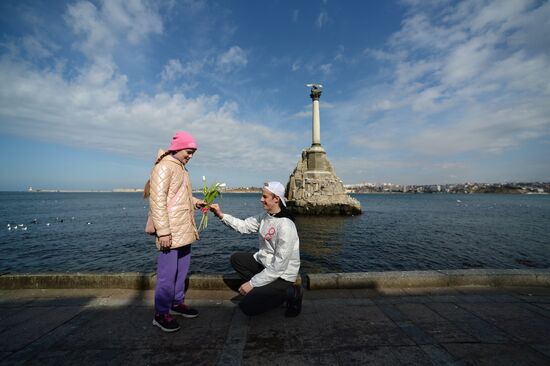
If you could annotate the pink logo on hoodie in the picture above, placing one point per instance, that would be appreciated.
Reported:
(270, 233)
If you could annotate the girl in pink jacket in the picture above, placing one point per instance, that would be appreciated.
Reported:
(172, 209)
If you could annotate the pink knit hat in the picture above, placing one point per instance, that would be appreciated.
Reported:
(182, 140)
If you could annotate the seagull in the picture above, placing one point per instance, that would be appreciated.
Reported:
(314, 86)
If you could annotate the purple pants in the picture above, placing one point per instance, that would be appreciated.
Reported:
(172, 268)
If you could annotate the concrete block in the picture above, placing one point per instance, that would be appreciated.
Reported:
(130, 280)
(498, 277)
(377, 280)
(316, 281)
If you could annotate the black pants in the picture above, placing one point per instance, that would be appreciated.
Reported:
(260, 299)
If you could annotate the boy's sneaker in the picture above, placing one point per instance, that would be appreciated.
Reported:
(184, 310)
(166, 322)
(294, 301)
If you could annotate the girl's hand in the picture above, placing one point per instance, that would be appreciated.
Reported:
(165, 242)
(200, 203)
(215, 208)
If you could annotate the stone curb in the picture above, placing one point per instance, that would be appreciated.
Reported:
(317, 281)
(443, 278)
(125, 280)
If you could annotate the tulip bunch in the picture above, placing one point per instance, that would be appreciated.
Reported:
(210, 194)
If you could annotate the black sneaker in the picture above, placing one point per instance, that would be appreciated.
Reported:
(294, 301)
(166, 322)
(184, 310)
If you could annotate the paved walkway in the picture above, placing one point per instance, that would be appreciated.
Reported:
(439, 326)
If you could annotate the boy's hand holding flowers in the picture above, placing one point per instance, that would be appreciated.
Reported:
(215, 208)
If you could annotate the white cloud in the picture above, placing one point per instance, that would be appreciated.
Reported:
(502, 11)
(382, 55)
(467, 61)
(462, 82)
(116, 19)
(90, 105)
(535, 29)
(322, 19)
(464, 78)
(175, 69)
(37, 48)
(306, 113)
(135, 19)
(450, 165)
(486, 130)
(408, 72)
(172, 70)
(295, 14)
(84, 19)
(233, 58)
(91, 111)
(371, 143)
(458, 79)
(340, 54)
(326, 69)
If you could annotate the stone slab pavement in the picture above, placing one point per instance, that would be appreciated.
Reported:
(416, 326)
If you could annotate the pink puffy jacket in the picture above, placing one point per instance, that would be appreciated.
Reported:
(166, 179)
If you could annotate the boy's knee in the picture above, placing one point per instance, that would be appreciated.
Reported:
(248, 309)
(233, 259)
(238, 259)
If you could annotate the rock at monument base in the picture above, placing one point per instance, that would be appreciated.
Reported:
(314, 189)
(324, 210)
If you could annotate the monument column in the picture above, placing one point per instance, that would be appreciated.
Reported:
(316, 120)
(313, 188)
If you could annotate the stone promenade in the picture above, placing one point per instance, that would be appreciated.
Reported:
(462, 325)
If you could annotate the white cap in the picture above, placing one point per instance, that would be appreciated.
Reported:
(277, 189)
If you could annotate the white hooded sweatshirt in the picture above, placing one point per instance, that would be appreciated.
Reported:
(279, 249)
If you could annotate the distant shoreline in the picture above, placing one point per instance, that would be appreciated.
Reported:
(137, 190)
(121, 190)
(140, 190)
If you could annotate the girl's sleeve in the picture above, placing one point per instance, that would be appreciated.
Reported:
(158, 200)
(246, 226)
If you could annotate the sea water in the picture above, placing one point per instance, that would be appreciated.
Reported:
(90, 232)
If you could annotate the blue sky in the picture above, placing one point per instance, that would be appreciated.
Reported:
(415, 92)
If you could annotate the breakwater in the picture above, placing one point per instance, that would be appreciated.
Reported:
(391, 279)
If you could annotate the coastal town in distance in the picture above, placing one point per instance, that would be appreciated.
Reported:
(462, 188)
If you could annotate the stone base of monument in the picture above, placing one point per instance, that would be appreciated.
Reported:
(314, 189)
(331, 209)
